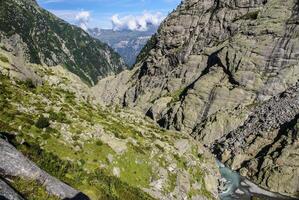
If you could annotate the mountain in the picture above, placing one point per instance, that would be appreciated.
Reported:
(127, 43)
(218, 79)
(42, 38)
(58, 142)
(225, 72)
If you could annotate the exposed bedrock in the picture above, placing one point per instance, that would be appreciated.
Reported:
(14, 164)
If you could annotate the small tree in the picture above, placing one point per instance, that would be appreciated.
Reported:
(29, 84)
(42, 122)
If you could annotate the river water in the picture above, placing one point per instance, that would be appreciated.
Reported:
(237, 187)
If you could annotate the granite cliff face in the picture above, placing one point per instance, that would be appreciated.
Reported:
(213, 65)
(37, 35)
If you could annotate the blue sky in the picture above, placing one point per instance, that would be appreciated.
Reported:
(131, 14)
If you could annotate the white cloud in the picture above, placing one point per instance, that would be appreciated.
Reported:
(82, 19)
(136, 23)
(79, 18)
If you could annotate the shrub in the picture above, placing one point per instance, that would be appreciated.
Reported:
(119, 135)
(29, 84)
(251, 15)
(42, 122)
(99, 143)
(4, 58)
(59, 117)
(248, 16)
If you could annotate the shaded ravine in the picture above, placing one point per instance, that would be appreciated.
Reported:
(234, 187)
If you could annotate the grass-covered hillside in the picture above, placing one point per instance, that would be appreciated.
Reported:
(41, 37)
(107, 153)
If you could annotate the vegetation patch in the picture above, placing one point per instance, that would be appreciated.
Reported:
(79, 168)
(97, 184)
(42, 122)
(3, 58)
(31, 190)
(177, 95)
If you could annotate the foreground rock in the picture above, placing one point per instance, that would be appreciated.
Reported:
(7, 193)
(14, 164)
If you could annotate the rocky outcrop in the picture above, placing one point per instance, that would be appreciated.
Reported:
(7, 193)
(212, 57)
(14, 164)
(213, 63)
(40, 37)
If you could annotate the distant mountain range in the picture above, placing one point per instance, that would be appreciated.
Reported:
(127, 43)
(43, 38)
